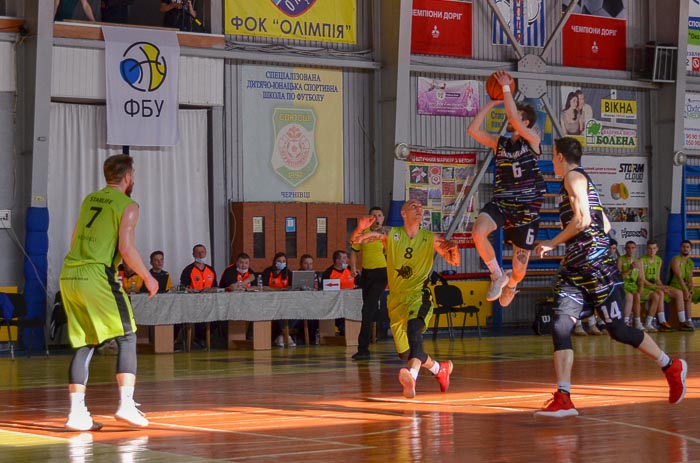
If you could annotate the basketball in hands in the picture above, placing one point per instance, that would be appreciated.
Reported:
(495, 90)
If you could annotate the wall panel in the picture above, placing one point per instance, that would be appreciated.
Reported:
(79, 73)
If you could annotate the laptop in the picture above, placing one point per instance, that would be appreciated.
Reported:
(303, 280)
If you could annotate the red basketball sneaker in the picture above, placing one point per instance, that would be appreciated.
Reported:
(559, 406)
(443, 376)
(675, 375)
(408, 383)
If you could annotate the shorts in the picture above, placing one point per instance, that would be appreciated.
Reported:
(402, 308)
(645, 294)
(574, 302)
(97, 307)
(520, 221)
(631, 287)
(695, 298)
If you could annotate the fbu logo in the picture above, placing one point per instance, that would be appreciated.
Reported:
(143, 67)
(293, 7)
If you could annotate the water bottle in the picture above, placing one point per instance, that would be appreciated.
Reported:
(260, 283)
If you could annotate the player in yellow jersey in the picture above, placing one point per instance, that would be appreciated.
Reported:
(410, 252)
(96, 305)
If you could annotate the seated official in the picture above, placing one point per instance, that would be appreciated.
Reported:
(131, 282)
(165, 284)
(238, 276)
(198, 276)
(278, 276)
(306, 262)
(340, 270)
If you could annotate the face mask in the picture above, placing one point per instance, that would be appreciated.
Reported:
(201, 261)
(241, 271)
(344, 265)
(280, 265)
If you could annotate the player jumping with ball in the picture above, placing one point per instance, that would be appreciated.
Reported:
(518, 193)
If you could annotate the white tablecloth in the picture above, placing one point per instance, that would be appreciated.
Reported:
(170, 308)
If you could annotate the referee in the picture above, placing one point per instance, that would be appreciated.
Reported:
(373, 281)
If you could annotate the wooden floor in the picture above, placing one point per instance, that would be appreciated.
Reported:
(312, 404)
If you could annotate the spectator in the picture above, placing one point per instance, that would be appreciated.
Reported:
(651, 288)
(116, 11)
(198, 275)
(628, 268)
(238, 276)
(179, 14)
(373, 281)
(680, 286)
(278, 276)
(340, 270)
(68, 9)
(131, 282)
(165, 284)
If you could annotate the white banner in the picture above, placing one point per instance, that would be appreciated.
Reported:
(623, 186)
(691, 121)
(141, 67)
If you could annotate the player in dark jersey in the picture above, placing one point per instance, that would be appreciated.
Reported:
(96, 305)
(589, 281)
(518, 193)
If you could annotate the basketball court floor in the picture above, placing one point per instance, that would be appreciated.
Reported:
(313, 404)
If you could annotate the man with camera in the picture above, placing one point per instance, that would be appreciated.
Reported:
(180, 14)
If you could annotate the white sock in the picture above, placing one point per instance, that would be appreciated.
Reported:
(77, 401)
(414, 372)
(663, 360)
(638, 320)
(435, 369)
(126, 395)
(662, 317)
(494, 268)
(591, 322)
(681, 316)
(564, 386)
(650, 321)
(578, 323)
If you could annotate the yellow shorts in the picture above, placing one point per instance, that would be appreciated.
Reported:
(96, 306)
(403, 308)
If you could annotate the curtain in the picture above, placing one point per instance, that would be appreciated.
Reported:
(171, 185)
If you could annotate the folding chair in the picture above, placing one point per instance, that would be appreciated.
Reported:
(14, 311)
(449, 301)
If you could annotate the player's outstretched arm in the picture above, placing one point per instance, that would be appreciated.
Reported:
(476, 127)
(513, 114)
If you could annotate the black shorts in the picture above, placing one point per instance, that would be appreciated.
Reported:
(573, 301)
(520, 221)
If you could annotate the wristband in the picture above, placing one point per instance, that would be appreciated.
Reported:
(506, 89)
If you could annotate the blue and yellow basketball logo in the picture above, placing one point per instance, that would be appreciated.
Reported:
(143, 67)
(294, 7)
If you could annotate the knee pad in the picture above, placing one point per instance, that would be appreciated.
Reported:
(126, 359)
(562, 327)
(80, 365)
(620, 332)
(415, 339)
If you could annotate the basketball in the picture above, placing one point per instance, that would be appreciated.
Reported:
(495, 90)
